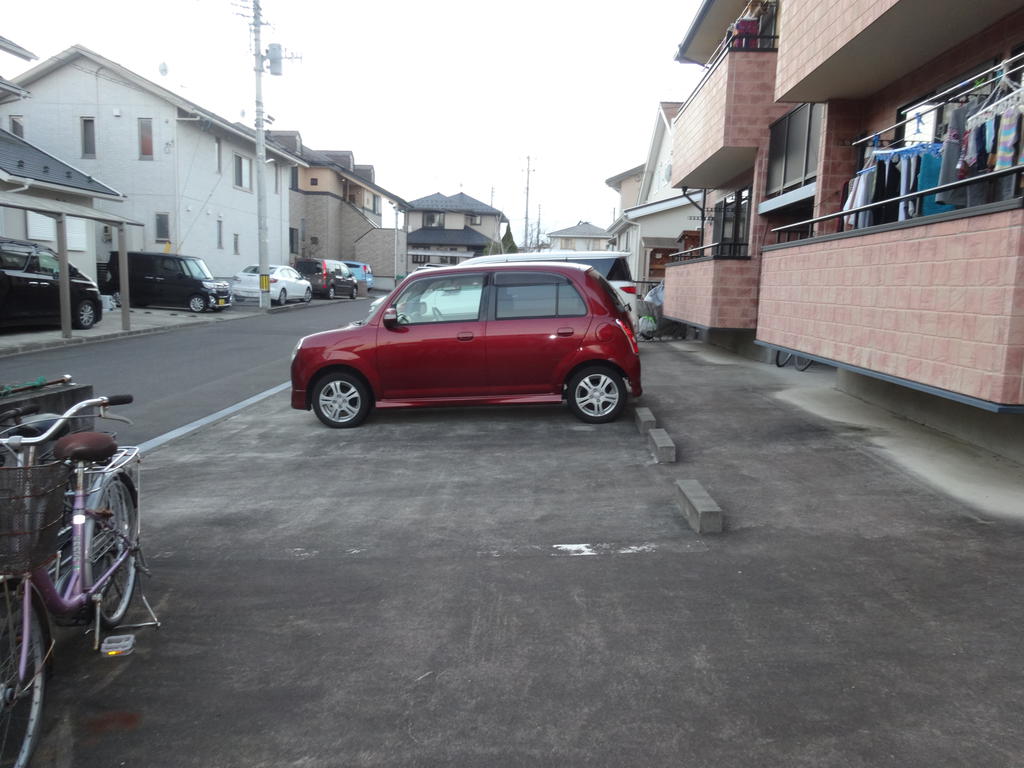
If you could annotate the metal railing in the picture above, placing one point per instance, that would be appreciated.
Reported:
(720, 250)
(808, 225)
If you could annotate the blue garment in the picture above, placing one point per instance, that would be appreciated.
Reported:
(928, 178)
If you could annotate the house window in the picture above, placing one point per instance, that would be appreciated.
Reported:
(420, 258)
(216, 152)
(433, 220)
(293, 240)
(145, 138)
(793, 149)
(237, 244)
(474, 219)
(243, 172)
(295, 177)
(732, 218)
(376, 203)
(40, 227)
(88, 137)
(220, 234)
(568, 244)
(314, 181)
(17, 124)
(163, 227)
(77, 232)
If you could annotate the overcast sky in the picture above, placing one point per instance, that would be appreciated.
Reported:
(439, 97)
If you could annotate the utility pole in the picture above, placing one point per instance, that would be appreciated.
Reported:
(261, 161)
(526, 225)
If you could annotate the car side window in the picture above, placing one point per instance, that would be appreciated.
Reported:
(45, 263)
(536, 294)
(13, 261)
(441, 300)
(170, 267)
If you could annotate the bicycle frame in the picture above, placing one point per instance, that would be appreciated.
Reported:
(73, 597)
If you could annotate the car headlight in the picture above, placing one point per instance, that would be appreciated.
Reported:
(209, 285)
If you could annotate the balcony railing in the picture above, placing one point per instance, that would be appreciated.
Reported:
(712, 251)
(809, 226)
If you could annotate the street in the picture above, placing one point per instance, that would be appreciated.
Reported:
(180, 377)
(501, 587)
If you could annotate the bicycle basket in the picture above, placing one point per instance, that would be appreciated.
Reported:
(31, 512)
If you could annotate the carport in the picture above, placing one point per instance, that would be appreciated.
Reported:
(60, 211)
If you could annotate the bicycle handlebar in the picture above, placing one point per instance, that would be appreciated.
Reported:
(16, 441)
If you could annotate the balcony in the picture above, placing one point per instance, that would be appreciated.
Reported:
(853, 49)
(718, 132)
(935, 304)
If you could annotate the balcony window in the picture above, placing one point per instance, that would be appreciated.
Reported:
(793, 149)
(731, 222)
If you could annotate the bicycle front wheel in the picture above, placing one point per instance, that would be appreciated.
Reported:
(106, 540)
(782, 358)
(21, 698)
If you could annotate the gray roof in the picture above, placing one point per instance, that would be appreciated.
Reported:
(466, 236)
(27, 161)
(460, 203)
(583, 229)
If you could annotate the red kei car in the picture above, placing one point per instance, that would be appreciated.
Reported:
(483, 335)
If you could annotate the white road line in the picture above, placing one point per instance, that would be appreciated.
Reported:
(166, 437)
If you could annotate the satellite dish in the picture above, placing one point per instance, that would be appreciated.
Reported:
(163, 68)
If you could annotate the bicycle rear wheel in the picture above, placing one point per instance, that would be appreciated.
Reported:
(105, 541)
(802, 363)
(782, 358)
(21, 700)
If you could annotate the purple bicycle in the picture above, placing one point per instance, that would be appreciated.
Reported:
(69, 551)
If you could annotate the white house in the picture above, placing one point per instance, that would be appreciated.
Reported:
(186, 173)
(656, 220)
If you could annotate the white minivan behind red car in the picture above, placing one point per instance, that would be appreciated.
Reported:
(613, 265)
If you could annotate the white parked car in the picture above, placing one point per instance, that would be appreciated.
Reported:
(285, 284)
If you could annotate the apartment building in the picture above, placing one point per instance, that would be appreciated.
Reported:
(185, 173)
(816, 131)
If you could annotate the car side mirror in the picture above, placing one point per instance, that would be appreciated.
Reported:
(390, 318)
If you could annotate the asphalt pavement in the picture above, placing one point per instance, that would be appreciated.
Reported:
(510, 587)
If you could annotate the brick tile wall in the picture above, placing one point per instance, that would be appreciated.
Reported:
(940, 304)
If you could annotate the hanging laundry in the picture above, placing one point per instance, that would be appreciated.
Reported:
(952, 157)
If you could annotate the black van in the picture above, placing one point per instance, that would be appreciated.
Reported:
(170, 279)
(30, 289)
(329, 278)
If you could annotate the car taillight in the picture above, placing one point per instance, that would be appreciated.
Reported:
(273, 279)
(628, 289)
(629, 336)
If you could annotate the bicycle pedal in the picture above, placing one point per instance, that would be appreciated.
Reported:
(117, 645)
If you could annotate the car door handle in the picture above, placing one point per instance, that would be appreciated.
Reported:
(565, 331)
(464, 336)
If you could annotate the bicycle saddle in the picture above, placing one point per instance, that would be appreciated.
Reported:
(85, 446)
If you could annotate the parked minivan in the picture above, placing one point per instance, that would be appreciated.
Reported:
(328, 277)
(613, 265)
(170, 279)
(30, 288)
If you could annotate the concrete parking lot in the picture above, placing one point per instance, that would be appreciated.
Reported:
(501, 587)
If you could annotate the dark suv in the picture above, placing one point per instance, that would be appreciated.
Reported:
(329, 278)
(486, 335)
(170, 279)
(30, 288)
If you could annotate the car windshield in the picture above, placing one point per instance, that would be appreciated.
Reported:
(309, 267)
(197, 268)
